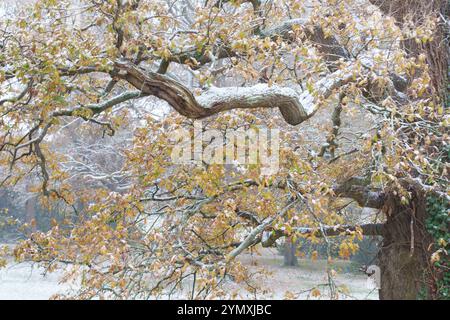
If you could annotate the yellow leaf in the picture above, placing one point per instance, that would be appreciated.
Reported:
(315, 292)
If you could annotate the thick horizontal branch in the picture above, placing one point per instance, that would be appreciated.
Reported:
(372, 229)
(294, 107)
(356, 188)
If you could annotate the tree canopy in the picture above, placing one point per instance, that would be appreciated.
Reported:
(92, 92)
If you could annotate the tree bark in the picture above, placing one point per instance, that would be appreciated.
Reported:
(405, 250)
(290, 258)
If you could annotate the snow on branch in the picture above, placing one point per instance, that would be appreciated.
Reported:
(269, 237)
(295, 107)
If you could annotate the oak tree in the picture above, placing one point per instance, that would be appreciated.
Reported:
(93, 90)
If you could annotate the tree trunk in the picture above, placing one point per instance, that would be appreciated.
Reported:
(290, 248)
(406, 248)
(30, 213)
(404, 258)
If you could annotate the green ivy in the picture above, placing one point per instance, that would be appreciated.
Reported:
(437, 224)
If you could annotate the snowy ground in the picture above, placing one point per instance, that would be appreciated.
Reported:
(23, 281)
(307, 275)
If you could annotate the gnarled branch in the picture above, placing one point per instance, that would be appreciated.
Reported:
(295, 107)
(357, 188)
(216, 100)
